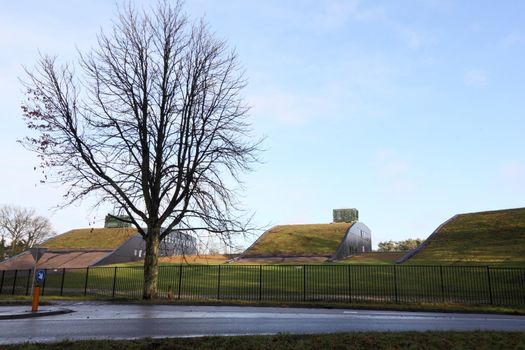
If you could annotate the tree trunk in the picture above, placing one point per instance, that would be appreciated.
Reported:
(151, 263)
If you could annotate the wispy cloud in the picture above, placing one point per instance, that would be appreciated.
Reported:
(511, 176)
(393, 172)
(475, 78)
(326, 15)
(293, 108)
(337, 13)
(413, 38)
(513, 172)
(514, 38)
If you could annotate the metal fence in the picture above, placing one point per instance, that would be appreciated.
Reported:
(326, 283)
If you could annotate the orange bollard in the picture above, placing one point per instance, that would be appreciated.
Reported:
(36, 297)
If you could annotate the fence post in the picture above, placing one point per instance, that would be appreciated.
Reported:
(14, 282)
(260, 282)
(219, 283)
(395, 282)
(442, 283)
(28, 280)
(349, 283)
(86, 281)
(304, 282)
(62, 283)
(180, 278)
(114, 282)
(2, 282)
(490, 285)
(44, 284)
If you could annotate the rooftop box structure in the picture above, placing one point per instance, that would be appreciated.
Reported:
(346, 215)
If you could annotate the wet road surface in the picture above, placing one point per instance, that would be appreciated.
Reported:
(95, 320)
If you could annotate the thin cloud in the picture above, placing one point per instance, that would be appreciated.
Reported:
(475, 78)
(514, 38)
(393, 173)
(337, 13)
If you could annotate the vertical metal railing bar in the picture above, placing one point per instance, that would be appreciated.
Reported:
(28, 280)
(44, 284)
(2, 281)
(219, 283)
(395, 283)
(180, 280)
(260, 281)
(62, 281)
(442, 283)
(490, 286)
(304, 282)
(14, 282)
(349, 288)
(114, 282)
(86, 281)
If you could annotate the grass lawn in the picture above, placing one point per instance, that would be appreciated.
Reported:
(495, 238)
(374, 258)
(292, 283)
(360, 340)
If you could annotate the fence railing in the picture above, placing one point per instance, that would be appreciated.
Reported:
(337, 283)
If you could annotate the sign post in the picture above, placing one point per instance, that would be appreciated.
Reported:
(38, 277)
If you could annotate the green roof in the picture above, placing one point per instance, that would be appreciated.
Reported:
(490, 238)
(299, 240)
(91, 238)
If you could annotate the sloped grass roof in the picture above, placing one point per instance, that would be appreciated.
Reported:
(489, 238)
(91, 238)
(299, 240)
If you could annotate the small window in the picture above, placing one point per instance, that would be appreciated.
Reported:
(140, 253)
(135, 252)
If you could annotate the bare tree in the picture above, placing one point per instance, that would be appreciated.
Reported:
(23, 228)
(154, 124)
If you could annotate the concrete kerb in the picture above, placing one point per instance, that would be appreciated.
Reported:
(16, 313)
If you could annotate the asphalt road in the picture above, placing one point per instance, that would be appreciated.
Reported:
(104, 321)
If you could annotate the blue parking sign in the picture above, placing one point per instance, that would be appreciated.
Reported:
(40, 276)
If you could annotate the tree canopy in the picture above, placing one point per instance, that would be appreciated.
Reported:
(22, 228)
(399, 246)
(152, 121)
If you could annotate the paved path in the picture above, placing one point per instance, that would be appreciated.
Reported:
(118, 321)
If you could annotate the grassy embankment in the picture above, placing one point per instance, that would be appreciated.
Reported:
(91, 238)
(495, 238)
(299, 240)
(356, 341)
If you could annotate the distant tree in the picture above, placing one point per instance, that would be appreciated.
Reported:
(23, 228)
(409, 244)
(152, 123)
(399, 246)
(387, 246)
(2, 248)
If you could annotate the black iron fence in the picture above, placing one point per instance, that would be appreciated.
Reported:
(337, 283)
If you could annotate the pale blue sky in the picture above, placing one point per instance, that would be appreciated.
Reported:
(411, 111)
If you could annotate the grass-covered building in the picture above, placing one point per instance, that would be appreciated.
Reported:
(99, 246)
(312, 242)
(488, 238)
